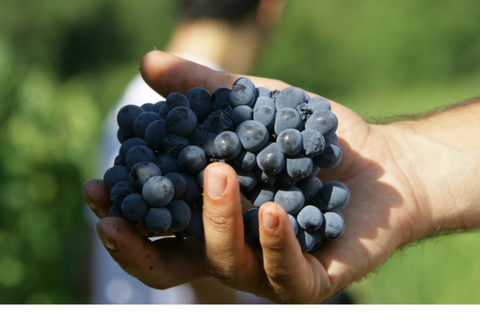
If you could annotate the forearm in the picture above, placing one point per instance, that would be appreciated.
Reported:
(442, 159)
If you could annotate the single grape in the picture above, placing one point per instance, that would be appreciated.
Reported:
(290, 141)
(175, 99)
(310, 188)
(179, 184)
(308, 240)
(313, 143)
(323, 121)
(120, 191)
(208, 145)
(137, 154)
(241, 113)
(310, 218)
(181, 215)
(220, 98)
(287, 118)
(158, 221)
(125, 118)
(181, 121)
(270, 159)
(265, 115)
(333, 196)
(333, 226)
(158, 191)
(246, 160)
(192, 160)
(319, 103)
(290, 97)
(242, 94)
(155, 134)
(265, 100)
(141, 172)
(227, 145)
(244, 81)
(134, 207)
(127, 144)
(331, 156)
(299, 167)
(142, 121)
(263, 92)
(200, 102)
(291, 199)
(115, 174)
(261, 194)
(246, 179)
(253, 135)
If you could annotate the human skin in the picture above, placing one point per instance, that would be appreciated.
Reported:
(408, 180)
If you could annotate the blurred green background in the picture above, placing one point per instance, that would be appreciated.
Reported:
(63, 65)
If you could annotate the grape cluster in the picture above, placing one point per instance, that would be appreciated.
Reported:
(277, 141)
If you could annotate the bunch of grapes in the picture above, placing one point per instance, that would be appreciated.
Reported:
(277, 141)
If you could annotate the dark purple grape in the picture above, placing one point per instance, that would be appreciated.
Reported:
(139, 153)
(125, 118)
(134, 207)
(142, 121)
(141, 172)
(181, 121)
(158, 191)
(200, 102)
(291, 199)
(192, 160)
(290, 141)
(252, 134)
(115, 174)
(310, 218)
(155, 134)
(227, 145)
(181, 215)
(158, 221)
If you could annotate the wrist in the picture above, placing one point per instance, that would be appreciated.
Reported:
(440, 176)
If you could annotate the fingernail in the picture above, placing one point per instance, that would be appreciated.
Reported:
(88, 200)
(215, 184)
(107, 241)
(270, 221)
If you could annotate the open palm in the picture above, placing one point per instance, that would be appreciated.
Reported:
(378, 218)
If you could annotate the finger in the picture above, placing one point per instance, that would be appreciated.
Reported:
(96, 196)
(167, 73)
(161, 264)
(228, 257)
(295, 277)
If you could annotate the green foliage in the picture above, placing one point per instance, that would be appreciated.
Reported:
(63, 65)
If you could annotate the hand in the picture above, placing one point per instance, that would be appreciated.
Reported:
(379, 218)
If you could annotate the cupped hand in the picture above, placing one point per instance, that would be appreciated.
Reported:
(379, 218)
